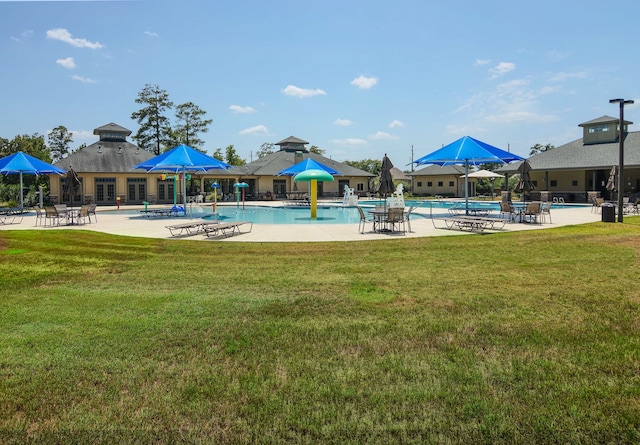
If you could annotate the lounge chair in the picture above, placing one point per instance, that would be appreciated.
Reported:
(187, 229)
(225, 229)
(10, 215)
(471, 223)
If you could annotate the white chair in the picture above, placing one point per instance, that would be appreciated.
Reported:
(545, 210)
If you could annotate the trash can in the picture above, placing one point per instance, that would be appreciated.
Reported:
(608, 212)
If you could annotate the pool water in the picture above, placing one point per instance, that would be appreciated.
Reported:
(285, 215)
(326, 214)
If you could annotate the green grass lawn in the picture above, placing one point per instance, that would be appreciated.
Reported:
(520, 337)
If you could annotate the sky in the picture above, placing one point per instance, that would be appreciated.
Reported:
(359, 79)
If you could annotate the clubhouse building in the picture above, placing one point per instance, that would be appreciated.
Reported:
(105, 172)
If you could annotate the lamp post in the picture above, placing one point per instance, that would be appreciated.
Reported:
(622, 103)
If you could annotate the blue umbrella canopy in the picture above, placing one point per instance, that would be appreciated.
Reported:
(20, 163)
(468, 150)
(182, 159)
(307, 164)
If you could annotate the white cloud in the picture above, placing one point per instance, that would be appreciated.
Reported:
(258, 129)
(152, 34)
(242, 110)
(27, 33)
(343, 122)
(67, 63)
(349, 142)
(382, 136)
(84, 79)
(80, 136)
(294, 91)
(65, 36)
(396, 123)
(562, 76)
(364, 83)
(480, 62)
(501, 69)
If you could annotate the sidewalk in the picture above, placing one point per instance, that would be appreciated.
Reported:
(421, 225)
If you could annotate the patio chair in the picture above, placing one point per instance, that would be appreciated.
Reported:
(62, 211)
(545, 210)
(364, 219)
(40, 214)
(395, 218)
(407, 217)
(597, 203)
(92, 211)
(83, 214)
(507, 211)
(532, 212)
(51, 215)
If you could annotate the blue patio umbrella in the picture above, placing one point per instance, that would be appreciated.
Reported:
(468, 150)
(307, 164)
(182, 159)
(20, 163)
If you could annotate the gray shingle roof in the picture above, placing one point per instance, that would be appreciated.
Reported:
(291, 140)
(436, 170)
(105, 157)
(578, 156)
(112, 128)
(273, 163)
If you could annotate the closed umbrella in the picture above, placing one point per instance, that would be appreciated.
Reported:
(385, 181)
(72, 184)
(525, 184)
(613, 179)
(20, 163)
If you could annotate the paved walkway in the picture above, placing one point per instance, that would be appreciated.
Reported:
(421, 225)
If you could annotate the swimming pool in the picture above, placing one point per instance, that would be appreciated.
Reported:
(334, 213)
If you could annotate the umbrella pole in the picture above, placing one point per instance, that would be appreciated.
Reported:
(184, 189)
(314, 198)
(21, 197)
(466, 187)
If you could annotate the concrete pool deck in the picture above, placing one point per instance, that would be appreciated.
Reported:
(129, 224)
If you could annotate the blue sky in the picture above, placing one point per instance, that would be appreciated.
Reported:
(356, 78)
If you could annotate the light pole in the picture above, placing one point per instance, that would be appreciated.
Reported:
(622, 103)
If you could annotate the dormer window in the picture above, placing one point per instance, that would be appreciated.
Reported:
(598, 128)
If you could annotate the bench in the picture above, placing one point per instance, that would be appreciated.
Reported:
(471, 223)
(225, 229)
(187, 229)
